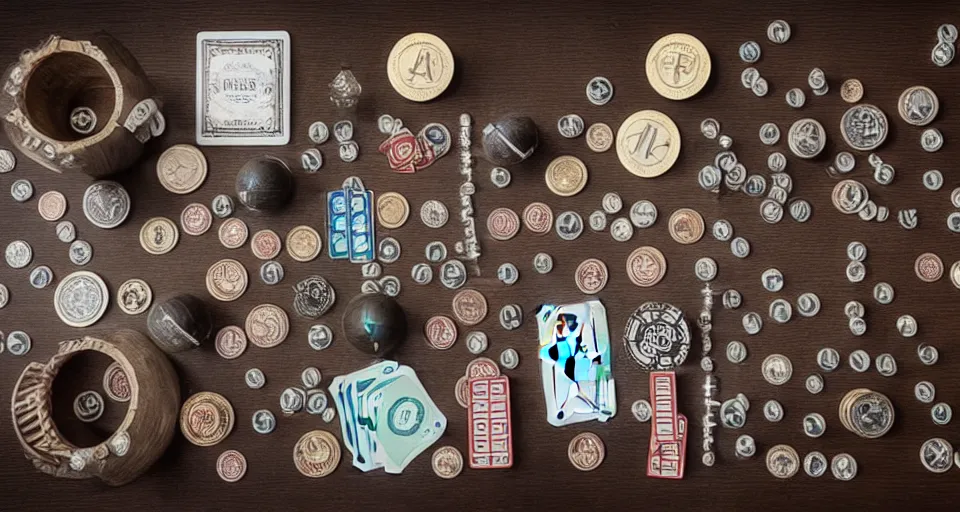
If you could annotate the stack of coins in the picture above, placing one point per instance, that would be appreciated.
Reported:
(867, 413)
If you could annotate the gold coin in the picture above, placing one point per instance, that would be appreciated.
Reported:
(304, 243)
(316, 454)
(227, 280)
(159, 235)
(851, 91)
(206, 418)
(686, 226)
(392, 210)
(599, 137)
(678, 66)
(586, 451)
(267, 325)
(182, 169)
(566, 176)
(648, 143)
(420, 66)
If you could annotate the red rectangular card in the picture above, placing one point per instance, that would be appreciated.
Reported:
(490, 430)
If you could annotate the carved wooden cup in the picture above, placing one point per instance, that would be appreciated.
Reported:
(80, 105)
(138, 442)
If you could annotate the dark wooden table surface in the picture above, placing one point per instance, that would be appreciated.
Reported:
(533, 59)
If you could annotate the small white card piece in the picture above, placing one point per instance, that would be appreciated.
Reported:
(243, 88)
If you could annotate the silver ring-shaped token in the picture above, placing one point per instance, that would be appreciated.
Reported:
(907, 326)
(941, 413)
(780, 311)
(570, 126)
(748, 78)
(808, 304)
(828, 359)
(421, 273)
(856, 271)
(263, 421)
(542, 263)
(642, 410)
(722, 230)
(795, 98)
(771, 211)
(859, 360)
(858, 326)
(752, 323)
(844, 467)
(597, 220)
(732, 299)
(733, 414)
(755, 186)
(773, 411)
(856, 251)
(772, 280)
(621, 229)
(569, 225)
(612, 203)
(931, 140)
(928, 354)
(643, 214)
(599, 91)
(749, 52)
(706, 269)
(800, 210)
(511, 317)
(886, 365)
(500, 177)
(814, 425)
(736, 352)
(371, 270)
(883, 293)
(936, 454)
(88, 406)
(924, 391)
(740, 247)
(745, 447)
(776, 162)
(710, 128)
(815, 464)
(508, 274)
(769, 134)
(814, 383)
(319, 337)
(254, 378)
(933, 180)
(477, 342)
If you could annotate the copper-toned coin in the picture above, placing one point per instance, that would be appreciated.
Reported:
(265, 244)
(482, 367)
(231, 342)
(267, 325)
(599, 137)
(538, 218)
(196, 219)
(304, 243)
(591, 276)
(115, 383)
(686, 226)
(929, 267)
(503, 224)
(227, 280)
(206, 418)
(462, 391)
(392, 210)
(182, 169)
(233, 233)
(586, 451)
(470, 307)
(441, 332)
(316, 454)
(52, 205)
(851, 91)
(447, 462)
(231, 466)
(566, 175)
(646, 266)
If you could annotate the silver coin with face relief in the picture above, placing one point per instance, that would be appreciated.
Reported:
(319, 337)
(740, 247)
(924, 391)
(748, 78)
(643, 214)
(542, 263)
(599, 91)
(773, 411)
(732, 299)
(710, 128)
(928, 354)
(931, 140)
(814, 425)
(106, 204)
(621, 229)
(806, 138)
(421, 273)
(752, 323)
(828, 359)
(736, 352)
(776, 162)
(570, 126)
(936, 454)
(907, 326)
(722, 230)
(864, 127)
(569, 225)
(918, 105)
(453, 274)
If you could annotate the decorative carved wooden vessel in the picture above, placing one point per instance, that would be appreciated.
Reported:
(45, 86)
(140, 439)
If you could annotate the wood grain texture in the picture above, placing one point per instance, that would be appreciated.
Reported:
(534, 59)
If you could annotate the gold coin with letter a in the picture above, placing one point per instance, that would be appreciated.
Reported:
(648, 143)
(420, 66)
(678, 66)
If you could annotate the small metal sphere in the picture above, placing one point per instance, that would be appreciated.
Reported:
(265, 183)
(374, 323)
(510, 140)
(179, 323)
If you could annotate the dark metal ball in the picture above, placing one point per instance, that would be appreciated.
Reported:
(179, 323)
(265, 183)
(510, 140)
(374, 324)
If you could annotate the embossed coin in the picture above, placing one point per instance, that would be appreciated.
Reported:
(782, 461)
(844, 467)
(81, 299)
(227, 280)
(749, 77)
(642, 411)
(621, 229)
(292, 400)
(388, 250)
(453, 274)
(686, 226)
(732, 299)
(815, 464)
(924, 391)
(646, 266)
(265, 244)
(500, 177)
(303, 243)
(850, 196)
(657, 336)
(931, 140)
(254, 378)
(447, 462)
(749, 52)
(222, 206)
(569, 225)
(477, 343)
(773, 411)
(807, 138)
(918, 105)
(511, 317)
(643, 214)
(509, 359)
(313, 297)
(864, 127)
(195, 219)
(81, 252)
(21, 190)
(778, 31)
(736, 352)
(796, 98)
(591, 276)
(612, 203)
(159, 235)
(678, 66)
(18, 343)
(319, 337)
(599, 137)
(264, 421)
(570, 126)
(503, 223)
(851, 91)
(392, 210)
(206, 418)
(8, 161)
(648, 143)
(52, 205)
(231, 466)
(566, 176)
(928, 267)
(41, 276)
(116, 384)
(777, 369)
(311, 160)
(586, 451)
(233, 233)
(420, 66)
(134, 296)
(231, 342)
(936, 454)
(470, 307)
(538, 218)
(182, 169)
(66, 231)
(599, 91)
(434, 214)
(317, 453)
(267, 325)
(106, 204)
(271, 272)
(318, 132)
(769, 134)
(543, 264)
(88, 406)
(440, 332)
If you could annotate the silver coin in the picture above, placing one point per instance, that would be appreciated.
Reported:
(778, 31)
(740, 247)
(817, 79)
(621, 229)
(453, 274)
(81, 299)
(815, 464)
(760, 87)
(844, 467)
(936, 454)
(800, 210)
(780, 311)
(41, 276)
(477, 342)
(736, 352)
(795, 98)
(316, 403)
(4, 300)
(435, 252)
(311, 377)
(807, 138)
(542, 263)
(732, 299)
(705, 269)
(500, 177)
(18, 254)
(421, 273)
(933, 180)
(808, 304)
(343, 131)
(612, 203)
(782, 180)
(859, 360)
(907, 218)
(508, 274)
(931, 140)
(88, 406)
(752, 323)
(907, 326)
(886, 365)
(21, 190)
(856, 271)
(828, 359)
(869, 211)
(750, 52)
(947, 33)
(882, 213)
(706, 364)
(874, 160)
(370, 286)
(709, 178)
(106, 204)
(388, 250)
(941, 414)
(773, 411)
(864, 127)
(319, 337)
(386, 124)
(883, 293)
(8, 161)
(371, 270)
(328, 414)
(725, 160)
(569, 225)
(710, 127)
(953, 222)
(509, 359)
(390, 286)
(745, 447)
(511, 317)
(642, 410)
(748, 78)
(733, 414)
(271, 272)
(434, 214)
(844, 161)
(928, 354)
(814, 425)
(924, 391)
(263, 421)
(254, 378)
(856, 251)
(771, 211)
(599, 91)
(776, 162)
(857, 325)
(814, 384)
(643, 214)
(66, 231)
(311, 160)
(597, 220)
(884, 174)
(18, 343)
(943, 53)
(777, 369)
(725, 141)
(918, 105)
(292, 400)
(570, 126)
(769, 134)
(722, 230)
(772, 280)
(318, 132)
(222, 206)
(777, 194)
(755, 186)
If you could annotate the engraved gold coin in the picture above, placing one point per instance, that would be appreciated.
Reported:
(420, 66)
(182, 169)
(392, 210)
(227, 280)
(678, 66)
(447, 462)
(304, 243)
(566, 176)
(316, 454)
(599, 137)
(267, 325)
(686, 226)
(206, 418)
(159, 235)
(586, 451)
(648, 143)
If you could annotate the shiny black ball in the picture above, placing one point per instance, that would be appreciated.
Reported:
(374, 324)
(265, 183)
(510, 140)
(179, 323)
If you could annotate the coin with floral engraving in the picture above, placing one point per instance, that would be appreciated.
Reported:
(316, 454)
(116, 384)
(928, 267)
(586, 451)
(591, 276)
(864, 127)
(807, 138)
(195, 219)
(303, 243)
(182, 169)
(265, 244)
(206, 418)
